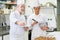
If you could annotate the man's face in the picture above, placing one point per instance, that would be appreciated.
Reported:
(36, 10)
(22, 8)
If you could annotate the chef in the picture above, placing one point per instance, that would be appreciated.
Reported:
(37, 22)
(17, 22)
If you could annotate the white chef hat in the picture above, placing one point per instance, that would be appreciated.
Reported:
(36, 3)
(19, 2)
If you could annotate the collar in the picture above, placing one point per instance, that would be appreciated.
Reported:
(17, 12)
(38, 14)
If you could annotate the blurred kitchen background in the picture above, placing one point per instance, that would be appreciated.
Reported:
(51, 9)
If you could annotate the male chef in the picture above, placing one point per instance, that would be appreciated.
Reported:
(18, 22)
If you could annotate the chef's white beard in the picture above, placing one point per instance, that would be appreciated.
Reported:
(22, 13)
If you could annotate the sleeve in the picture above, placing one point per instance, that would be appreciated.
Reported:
(29, 21)
(13, 18)
(43, 21)
(24, 19)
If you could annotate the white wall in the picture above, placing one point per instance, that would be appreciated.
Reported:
(29, 10)
(52, 1)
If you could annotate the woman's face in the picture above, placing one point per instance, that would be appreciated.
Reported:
(36, 10)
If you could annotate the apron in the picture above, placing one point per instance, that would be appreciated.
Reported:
(36, 30)
(17, 32)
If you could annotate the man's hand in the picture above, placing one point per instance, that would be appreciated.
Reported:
(33, 23)
(44, 28)
(20, 23)
(26, 28)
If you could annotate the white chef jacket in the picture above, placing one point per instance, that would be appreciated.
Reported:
(16, 31)
(36, 30)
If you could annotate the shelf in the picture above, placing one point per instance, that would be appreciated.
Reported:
(9, 3)
(2, 2)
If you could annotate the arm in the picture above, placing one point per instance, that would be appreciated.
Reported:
(31, 22)
(14, 20)
(34, 22)
(44, 27)
(23, 22)
(44, 24)
(20, 23)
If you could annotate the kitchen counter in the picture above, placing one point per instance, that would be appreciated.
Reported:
(55, 34)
